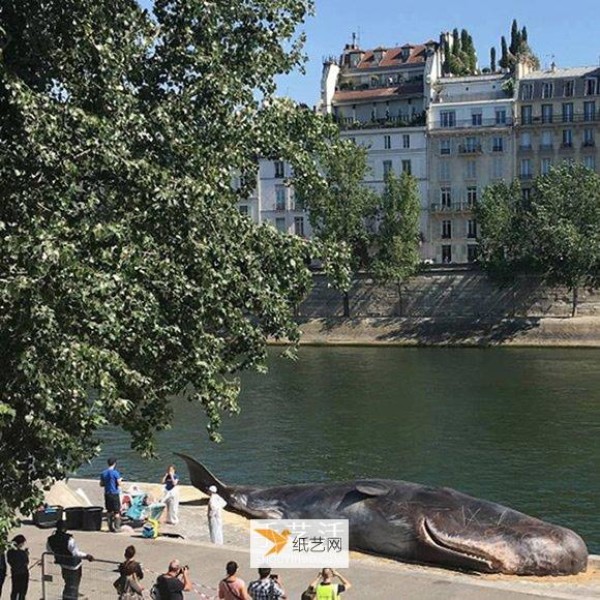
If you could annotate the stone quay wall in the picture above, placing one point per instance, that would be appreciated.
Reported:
(447, 293)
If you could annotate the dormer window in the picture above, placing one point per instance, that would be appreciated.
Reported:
(591, 86)
(405, 53)
(547, 89)
(569, 89)
(378, 54)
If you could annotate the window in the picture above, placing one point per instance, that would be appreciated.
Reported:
(545, 165)
(444, 146)
(446, 230)
(588, 138)
(444, 166)
(471, 228)
(387, 142)
(299, 226)
(279, 169)
(569, 89)
(447, 118)
(279, 197)
(591, 85)
(446, 197)
(500, 116)
(525, 168)
(244, 209)
(472, 252)
(280, 224)
(589, 111)
(446, 253)
(567, 138)
(547, 89)
(498, 144)
(547, 113)
(406, 167)
(525, 141)
(476, 119)
(406, 140)
(590, 162)
(527, 91)
(472, 196)
(298, 202)
(387, 167)
(546, 140)
(471, 169)
(472, 144)
(567, 112)
(498, 168)
(526, 114)
(526, 193)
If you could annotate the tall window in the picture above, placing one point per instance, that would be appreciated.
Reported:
(547, 113)
(476, 118)
(406, 140)
(387, 142)
(589, 110)
(498, 167)
(546, 140)
(444, 146)
(446, 197)
(472, 144)
(588, 138)
(444, 166)
(387, 167)
(527, 91)
(525, 140)
(567, 112)
(567, 138)
(279, 169)
(472, 250)
(525, 168)
(299, 226)
(547, 89)
(447, 118)
(280, 224)
(545, 165)
(447, 229)
(471, 228)
(498, 144)
(471, 169)
(406, 167)
(500, 116)
(526, 114)
(569, 88)
(590, 162)
(446, 253)
(280, 197)
(591, 86)
(472, 196)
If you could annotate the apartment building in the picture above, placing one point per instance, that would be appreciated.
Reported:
(558, 120)
(470, 144)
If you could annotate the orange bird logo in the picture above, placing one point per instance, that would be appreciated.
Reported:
(279, 540)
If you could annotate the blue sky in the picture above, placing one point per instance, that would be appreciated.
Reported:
(571, 35)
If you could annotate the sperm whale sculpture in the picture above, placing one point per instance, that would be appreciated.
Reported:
(416, 523)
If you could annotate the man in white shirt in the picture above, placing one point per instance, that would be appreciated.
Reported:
(215, 522)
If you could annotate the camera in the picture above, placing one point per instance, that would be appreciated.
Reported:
(274, 576)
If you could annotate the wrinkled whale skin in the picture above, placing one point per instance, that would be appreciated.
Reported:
(416, 523)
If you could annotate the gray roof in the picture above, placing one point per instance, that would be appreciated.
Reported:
(572, 72)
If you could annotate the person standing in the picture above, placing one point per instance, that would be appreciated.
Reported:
(18, 559)
(69, 557)
(267, 587)
(216, 504)
(325, 588)
(110, 480)
(174, 582)
(232, 587)
(171, 496)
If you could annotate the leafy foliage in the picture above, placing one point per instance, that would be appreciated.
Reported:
(461, 58)
(125, 266)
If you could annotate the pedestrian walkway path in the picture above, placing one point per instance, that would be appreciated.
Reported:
(372, 578)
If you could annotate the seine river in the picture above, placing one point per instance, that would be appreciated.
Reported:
(517, 426)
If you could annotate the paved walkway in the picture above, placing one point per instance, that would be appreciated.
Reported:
(372, 578)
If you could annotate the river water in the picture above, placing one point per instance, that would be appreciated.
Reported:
(517, 426)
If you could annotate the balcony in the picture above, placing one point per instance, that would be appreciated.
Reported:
(469, 149)
(588, 144)
(526, 176)
(546, 147)
(468, 123)
(349, 123)
(566, 146)
(578, 117)
(525, 148)
(453, 207)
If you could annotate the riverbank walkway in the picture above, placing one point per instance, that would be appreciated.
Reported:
(372, 578)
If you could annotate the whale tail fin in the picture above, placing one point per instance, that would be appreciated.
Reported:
(202, 478)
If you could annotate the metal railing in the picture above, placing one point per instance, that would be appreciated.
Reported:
(469, 149)
(558, 119)
(437, 207)
(468, 123)
(349, 123)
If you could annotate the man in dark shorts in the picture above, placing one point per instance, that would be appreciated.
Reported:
(174, 582)
(110, 480)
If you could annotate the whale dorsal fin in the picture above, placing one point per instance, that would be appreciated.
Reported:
(372, 488)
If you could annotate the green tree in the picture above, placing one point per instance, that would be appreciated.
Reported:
(515, 38)
(493, 59)
(342, 206)
(397, 241)
(504, 62)
(125, 266)
(565, 228)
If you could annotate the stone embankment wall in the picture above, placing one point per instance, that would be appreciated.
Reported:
(458, 293)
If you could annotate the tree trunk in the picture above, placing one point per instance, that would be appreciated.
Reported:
(346, 305)
(400, 306)
(575, 300)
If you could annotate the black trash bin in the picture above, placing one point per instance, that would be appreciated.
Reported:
(74, 517)
(48, 516)
(92, 518)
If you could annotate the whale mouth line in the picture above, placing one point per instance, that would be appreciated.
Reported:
(457, 549)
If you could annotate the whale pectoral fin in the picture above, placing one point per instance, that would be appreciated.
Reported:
(372, 489)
